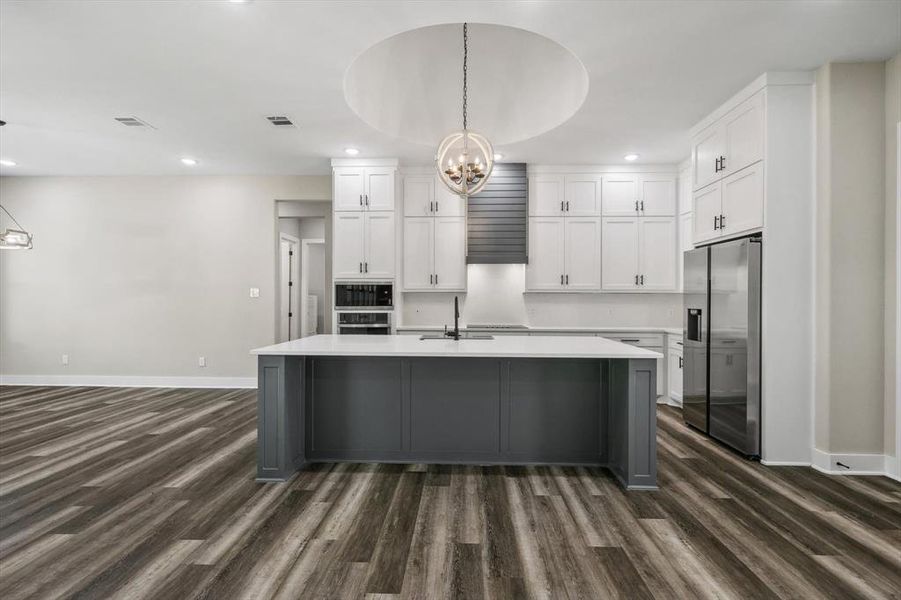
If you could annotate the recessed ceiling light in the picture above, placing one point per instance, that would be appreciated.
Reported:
(188, 161)
(238, 1)
(352, 151)
(498, 156)
(631, 157)
(7, 163)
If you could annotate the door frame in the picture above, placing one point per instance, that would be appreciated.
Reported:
(293, 292)
(305, 280)
(897, 470)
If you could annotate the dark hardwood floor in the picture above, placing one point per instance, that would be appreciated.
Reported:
(150, 493)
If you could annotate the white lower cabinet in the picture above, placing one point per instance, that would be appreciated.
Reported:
(639, 254)
(363, 245)
(564, 254)
(675, 365)
(434, 254)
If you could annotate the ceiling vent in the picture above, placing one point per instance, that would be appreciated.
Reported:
(280, 121)
(133, 122)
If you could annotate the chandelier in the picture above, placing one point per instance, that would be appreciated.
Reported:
(465, 158)
(15, 239)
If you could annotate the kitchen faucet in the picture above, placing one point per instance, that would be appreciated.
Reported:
(456, 332)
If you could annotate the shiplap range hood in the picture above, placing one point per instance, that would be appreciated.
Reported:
(498, 218)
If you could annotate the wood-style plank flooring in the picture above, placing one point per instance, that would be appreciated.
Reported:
(150, 493)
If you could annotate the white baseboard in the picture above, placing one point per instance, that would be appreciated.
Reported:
(784, 463)
(858, 464)
(129, 381)
(893, 467)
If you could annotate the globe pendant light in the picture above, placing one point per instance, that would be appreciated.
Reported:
(465, 158)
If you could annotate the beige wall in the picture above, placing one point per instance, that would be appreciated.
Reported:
(892, 117)
(138, 276)
(850, 241)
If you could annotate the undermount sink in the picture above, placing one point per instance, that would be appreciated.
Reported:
(463, 336)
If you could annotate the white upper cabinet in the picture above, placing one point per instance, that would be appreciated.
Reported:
(685, 191)
(419, 251)
(657, 260)
(582, 253)
(657, 195)
(582, 196)
(546, 254)
(708, 204)
(450, 253)
(348, 184)
(706, 149)
(347, 246)
(419, 196)
(620, 194)
(363, 188)
(379, 244)
(546, 195)
(447, 203)
(619, 270)
(744, 129)
(742, 201)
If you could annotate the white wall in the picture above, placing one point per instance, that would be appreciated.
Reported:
(495, 295)
(138, 276)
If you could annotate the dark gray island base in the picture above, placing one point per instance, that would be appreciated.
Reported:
(471, 410)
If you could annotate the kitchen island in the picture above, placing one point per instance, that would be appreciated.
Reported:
(515, 400)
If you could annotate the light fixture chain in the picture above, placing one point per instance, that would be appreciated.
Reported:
(465, 61)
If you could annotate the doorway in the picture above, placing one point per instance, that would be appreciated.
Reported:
(288, 276)
(302, 299)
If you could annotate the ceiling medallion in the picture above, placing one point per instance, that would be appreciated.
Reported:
(465, 158)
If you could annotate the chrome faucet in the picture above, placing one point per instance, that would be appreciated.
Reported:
(456, 332)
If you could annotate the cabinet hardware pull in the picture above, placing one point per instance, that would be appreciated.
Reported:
(722, 163)
(430, 279)
(567, 206)
(642, 280)
(365, 267)
(561, 206)
(679, 343)
(561, 279)
(636, 206)
(716, 165)
(636, 280)
(436, 278)
(722, 221)
(567, 279)
(361, 199)
(629, 340)
(436, 206)
(431, 207)
(642, 206)
(716, 223)
(367, 199)
(680, 362)
(361, 267)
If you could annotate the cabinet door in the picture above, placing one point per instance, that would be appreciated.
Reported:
(657, 195)
(619, 195)
(348, 189)
(379, 192)
(674, 375)
(546, 195)
(419, 244)
(619, 254)
(450, 253)
(582, 195)
(744, 135)
(707, 206)
(347, 247)
(657, 253)
(378, 243)
(685, 237)
(545, 268)
(419, 196)
(582, 245)
(706, 149)
(447, 203)
(685, 191)
(743, 201)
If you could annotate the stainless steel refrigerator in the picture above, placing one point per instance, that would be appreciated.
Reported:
(721, 342)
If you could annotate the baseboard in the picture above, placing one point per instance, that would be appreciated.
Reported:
(129, 381)
(858, 464)
(893, 467)
(784, 463)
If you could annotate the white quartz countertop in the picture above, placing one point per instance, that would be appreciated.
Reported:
(560, 330)
(510, 346)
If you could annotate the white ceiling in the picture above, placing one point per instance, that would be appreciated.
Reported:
(205, 73)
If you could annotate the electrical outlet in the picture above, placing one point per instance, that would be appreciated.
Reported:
(254, 292)
(65, 360)
(201, 361)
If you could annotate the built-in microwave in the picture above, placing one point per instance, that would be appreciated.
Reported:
(372, 296)
(363, 322)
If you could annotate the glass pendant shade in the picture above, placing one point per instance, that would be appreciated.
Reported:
(15, 239)
(464, 161)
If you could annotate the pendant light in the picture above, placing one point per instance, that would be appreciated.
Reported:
(15, 239)
(465, 158)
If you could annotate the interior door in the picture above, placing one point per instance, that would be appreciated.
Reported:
(743, 201)
(706, 149)
(419, 196)
(379, 188)
(546, 251)
(657, 254)
(419, 251)
(619, 196)
(657, 195)
(582, 195)
(379, 244)
(347, 247)
(546, 195)
(450, 253)
(348, 192)
(708, 205)
(582, 264)
(744, 134)
(619, 255)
